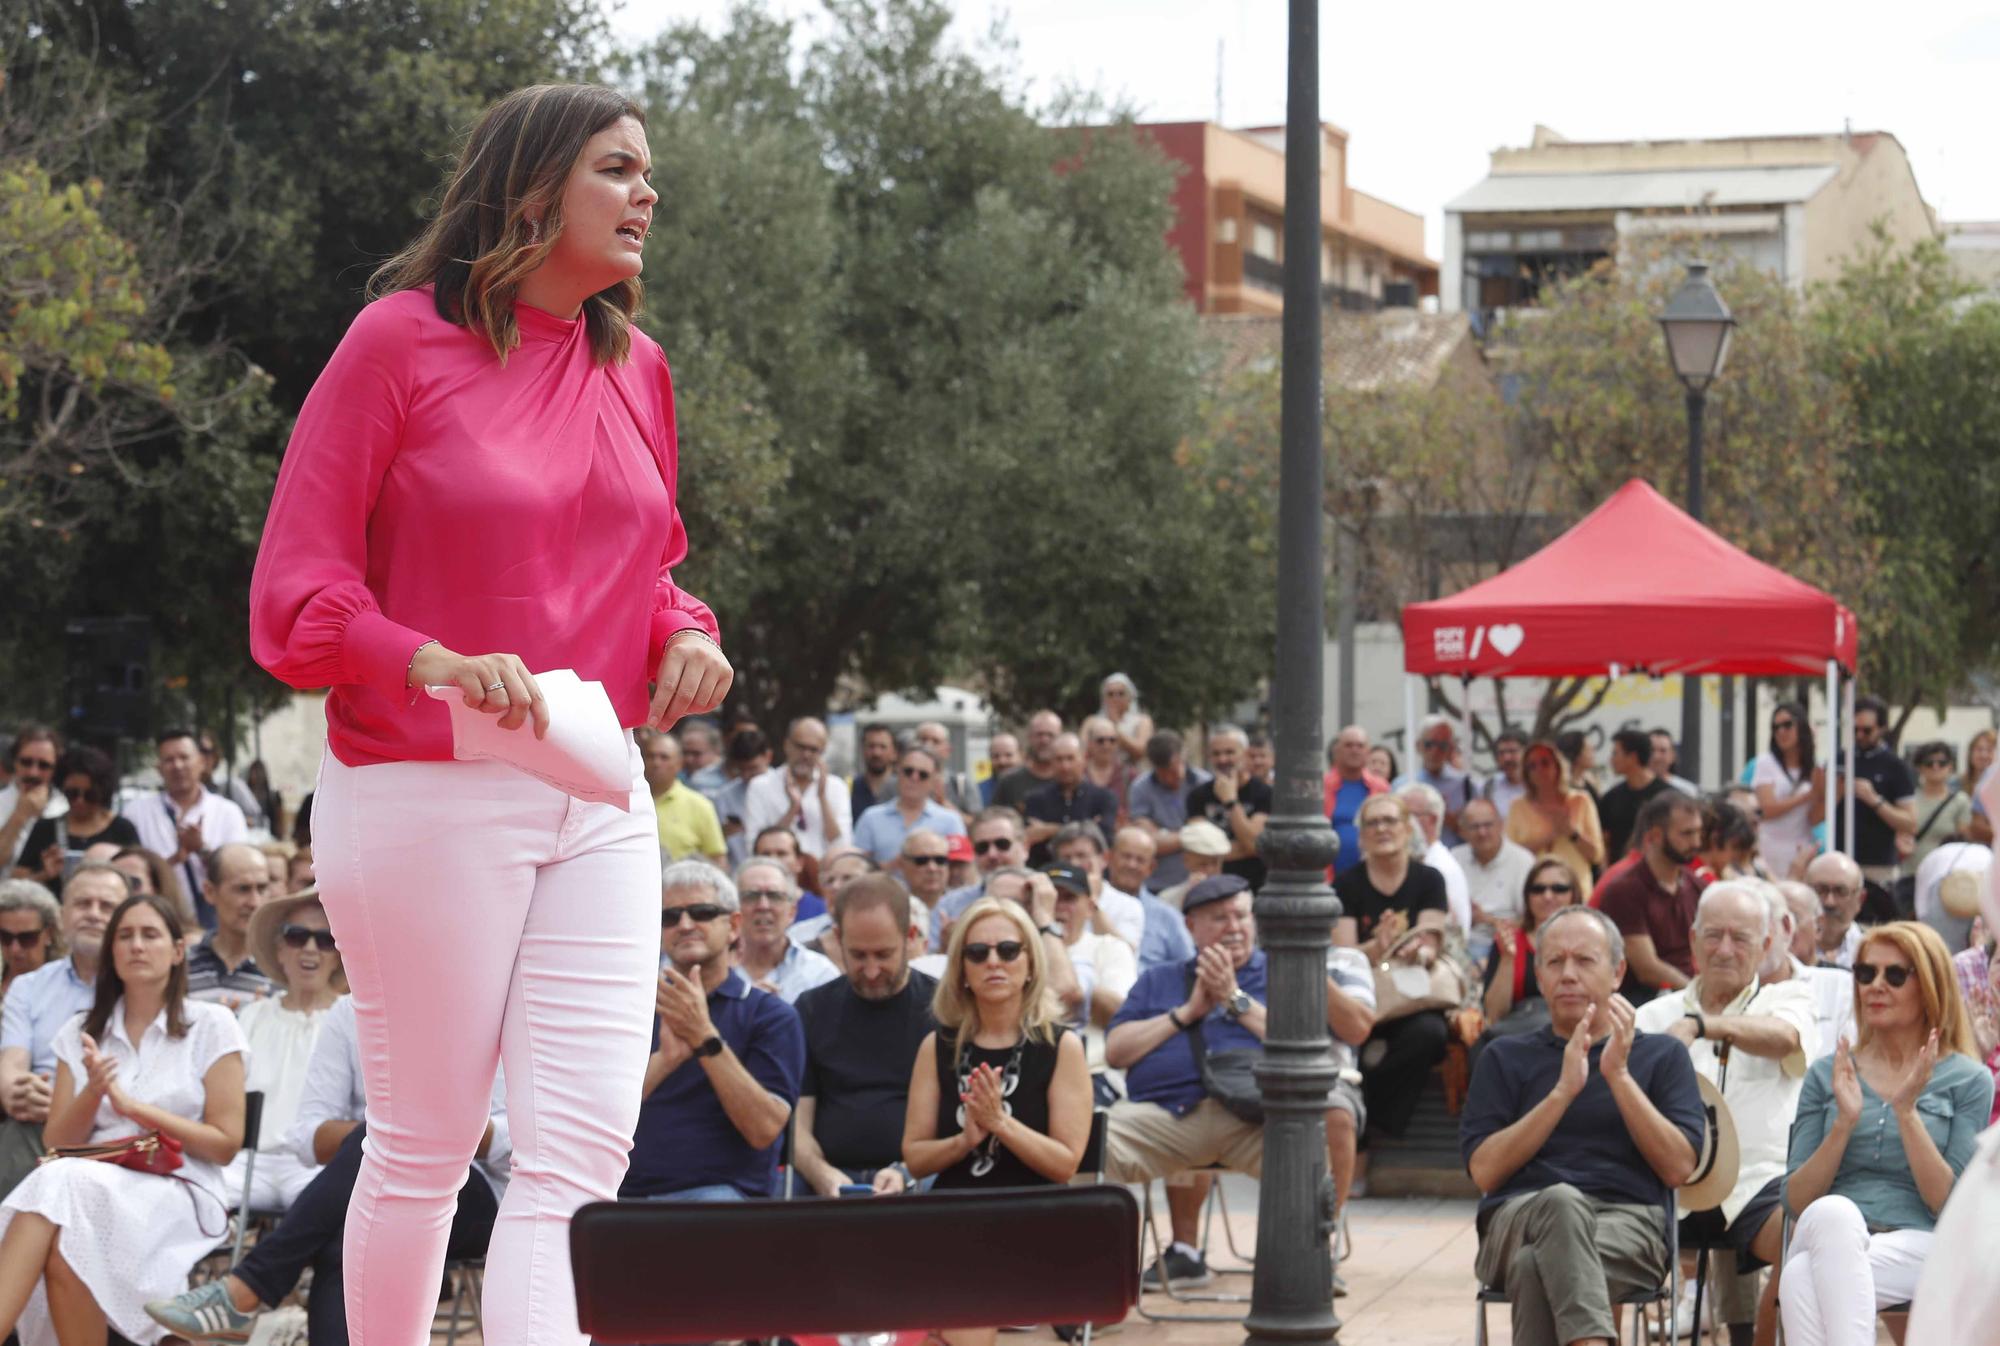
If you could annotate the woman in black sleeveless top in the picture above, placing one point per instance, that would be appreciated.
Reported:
(1000, 1095)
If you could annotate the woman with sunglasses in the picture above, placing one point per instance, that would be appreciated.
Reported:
(1000, 1095)
(1881, 1135)
(1510, 972)
(89, 781)
(1555, 818)
(1943, 810)
(1785, 777)
(291, 939)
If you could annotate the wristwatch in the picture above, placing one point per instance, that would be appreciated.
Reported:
(710, 1046)
(1239, 1004)
(1700, 1024)
(1174, 1018)
(1052, 929)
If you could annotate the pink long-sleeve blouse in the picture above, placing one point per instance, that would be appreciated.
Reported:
(432, 493)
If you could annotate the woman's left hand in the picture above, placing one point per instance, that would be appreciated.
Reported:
(694, 675)
(102, 1075)
(984, 1103)
(1904, 1099)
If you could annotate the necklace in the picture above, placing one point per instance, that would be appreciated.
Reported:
(986, 1155)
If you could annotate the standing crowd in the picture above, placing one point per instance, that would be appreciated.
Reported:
(916, 978)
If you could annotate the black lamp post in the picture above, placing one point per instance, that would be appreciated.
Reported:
(1291, 1299)
(1696, 325)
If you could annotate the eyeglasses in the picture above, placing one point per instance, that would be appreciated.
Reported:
(1783, 724)
(1435, 743)
(1008, 949)
(45, 763)
(1104, 738)
(27, 939)
(1830, 889)
(1537, 889)
(1381, 820)
(915, 773)
(1895, 974)
(86, 793)
(927, 859)
(298, 936)
(1928, 761)
(700, 913)
(775, 896)
(1000, 844)
(805, 749)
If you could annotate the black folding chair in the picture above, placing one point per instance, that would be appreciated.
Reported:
(1046, 1254)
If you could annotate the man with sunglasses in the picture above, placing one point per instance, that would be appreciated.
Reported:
(727, 1057)
(1885, 805)
(996, 843)
(1753, 1040)
(42, 1001)
(223, 968)
(31, 794)
(881, 829)
(1437, 744)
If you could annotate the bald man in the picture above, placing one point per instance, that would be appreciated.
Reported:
(1837, 882)
(220, 968)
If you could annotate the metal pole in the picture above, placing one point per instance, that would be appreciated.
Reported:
(1725, 731)
(1690, 758)
(1344, 573)
(1847, 741)
(1292, 1294)
(1832, 742)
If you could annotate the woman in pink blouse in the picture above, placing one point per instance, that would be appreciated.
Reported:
(481, 485)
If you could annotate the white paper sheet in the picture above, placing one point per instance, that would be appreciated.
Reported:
(585, 754)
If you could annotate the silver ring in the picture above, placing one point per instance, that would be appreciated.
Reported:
(497, 687)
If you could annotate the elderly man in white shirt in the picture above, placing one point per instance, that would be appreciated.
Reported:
(769, 898)
(1753, 1040)
(184, 820)
(1832, 987)
(1426, 807)
(803, 796)
(1496, 869)
(328, 1131)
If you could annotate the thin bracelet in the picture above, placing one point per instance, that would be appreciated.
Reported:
(695, 631)
(411, 669)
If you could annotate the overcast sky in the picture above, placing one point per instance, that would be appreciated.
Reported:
(1425, 92)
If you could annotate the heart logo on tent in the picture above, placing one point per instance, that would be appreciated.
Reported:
(1506, 639)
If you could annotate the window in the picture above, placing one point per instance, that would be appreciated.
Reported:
(1263, 240)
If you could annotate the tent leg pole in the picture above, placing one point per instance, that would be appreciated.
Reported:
(1847, 737)
(1832, 743)
(1410, 722)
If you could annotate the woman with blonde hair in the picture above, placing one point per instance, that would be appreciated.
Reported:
(1118, 702)
(1881, 1135)
(481, 488)
(1554, 817)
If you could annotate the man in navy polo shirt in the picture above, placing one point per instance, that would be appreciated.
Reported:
(1169, 1124)
(1070, 797)
(726, 1062)
(1578, 1135)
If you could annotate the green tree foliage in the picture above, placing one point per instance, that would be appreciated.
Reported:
(1918, 358)
(964, 368)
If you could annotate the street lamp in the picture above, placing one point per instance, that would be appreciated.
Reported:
(1291, 1298)
(1696, 325)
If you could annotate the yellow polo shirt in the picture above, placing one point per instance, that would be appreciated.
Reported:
(688, 825)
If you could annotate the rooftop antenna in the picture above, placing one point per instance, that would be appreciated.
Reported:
(1219, 42)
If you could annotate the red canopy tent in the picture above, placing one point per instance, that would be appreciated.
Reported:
(1635, 587)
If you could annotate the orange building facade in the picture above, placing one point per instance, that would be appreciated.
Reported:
(1229, 214)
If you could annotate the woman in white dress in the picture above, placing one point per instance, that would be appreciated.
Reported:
(291, 940)
(142, 1058)
(1783, 779)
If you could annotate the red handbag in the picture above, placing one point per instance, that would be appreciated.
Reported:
(147, 1152)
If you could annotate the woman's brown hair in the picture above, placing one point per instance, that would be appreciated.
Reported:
(111, 986)
(481, 244)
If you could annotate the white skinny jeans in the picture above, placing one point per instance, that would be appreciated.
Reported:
(1838, 1276)
(484, 917)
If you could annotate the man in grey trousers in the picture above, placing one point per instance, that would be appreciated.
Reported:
(1578, 1134)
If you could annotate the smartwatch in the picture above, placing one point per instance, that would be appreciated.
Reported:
(710, 1046)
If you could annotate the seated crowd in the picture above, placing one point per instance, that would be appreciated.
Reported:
(912, 979)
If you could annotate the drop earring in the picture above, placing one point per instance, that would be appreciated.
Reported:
(534, 232)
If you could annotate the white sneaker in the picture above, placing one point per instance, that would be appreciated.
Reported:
(1683, 1315)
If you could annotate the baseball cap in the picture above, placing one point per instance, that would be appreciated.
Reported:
(961, 849)
(1070, 877)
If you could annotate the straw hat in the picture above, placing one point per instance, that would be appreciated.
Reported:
(267, 924)
(1721, 1158)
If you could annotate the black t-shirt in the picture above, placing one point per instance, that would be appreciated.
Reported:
(1257, 797)
(1618, 810)
(1090, 804)
(858, 1059)
(1028, 1104)
(43, 835)
(1422, 890)
(1591, 1147)
(1874, 840)
(1013, 788)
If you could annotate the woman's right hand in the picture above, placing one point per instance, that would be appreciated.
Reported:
(492, 684)
(1846, 1085)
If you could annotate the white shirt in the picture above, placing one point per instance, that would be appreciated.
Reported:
(1496, 888)
(799, 971)
(159, 821)
(1100, 961)
(765, 804)
(10, 795)
(1348, 969)
(281, 1043)
(1126, 913)
(1762, 1092)
(1780, 839)
(333, 1093)
(1850, 944)
(1502, 792)
(1457, 894)
(1833, 999)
